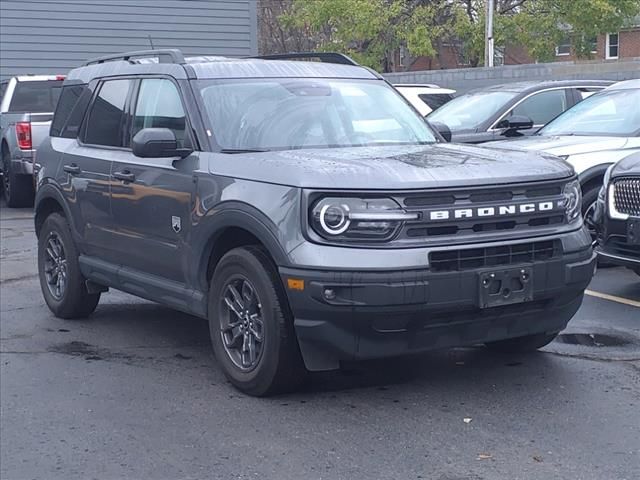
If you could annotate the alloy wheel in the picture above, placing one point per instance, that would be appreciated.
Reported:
(241, 323)
(55, 266)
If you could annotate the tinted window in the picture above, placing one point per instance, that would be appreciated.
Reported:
(159, 106)
(105, 124)
(3, 88)
(37, 97)
(469, 111)
(543, 107)
(70, 111)
(435, 100)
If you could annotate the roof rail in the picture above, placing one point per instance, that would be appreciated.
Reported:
(324, 57)
(169, 55)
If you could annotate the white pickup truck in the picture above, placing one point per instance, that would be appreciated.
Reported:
(26, 108)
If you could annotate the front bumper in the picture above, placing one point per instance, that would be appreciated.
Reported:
(372, 314)
(618, 241)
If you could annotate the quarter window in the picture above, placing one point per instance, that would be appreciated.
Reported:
(159, 106)
(106, 119)
(70, 111)
(613, 45)
(543, 107)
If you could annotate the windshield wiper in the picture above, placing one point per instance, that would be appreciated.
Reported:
(243, 150)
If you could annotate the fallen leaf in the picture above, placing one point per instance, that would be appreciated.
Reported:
(537, 458)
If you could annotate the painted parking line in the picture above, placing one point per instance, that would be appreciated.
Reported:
(613, 298)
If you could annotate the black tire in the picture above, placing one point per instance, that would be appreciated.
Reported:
(17, 189)
(74, 301)
(526, 344)
(278, 366)
(589, 199)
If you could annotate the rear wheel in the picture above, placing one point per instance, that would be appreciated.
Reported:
(528, 343)
(17, 189)
(63, 285)
(250, 325)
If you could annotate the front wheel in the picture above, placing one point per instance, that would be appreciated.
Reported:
(528, 343)
(250, 324)
(63, 285)
(589, 201)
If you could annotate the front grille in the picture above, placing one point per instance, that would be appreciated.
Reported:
(465, 211)
(472, 258)
(618, 245)
(626, 195)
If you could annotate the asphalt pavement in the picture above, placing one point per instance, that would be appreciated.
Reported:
(135, 393)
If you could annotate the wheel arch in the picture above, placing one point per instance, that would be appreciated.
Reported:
(49, 200)
(235, 227)
(593, 175)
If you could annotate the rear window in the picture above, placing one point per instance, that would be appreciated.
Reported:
(36, 96)
(70, 111)
(435, 100)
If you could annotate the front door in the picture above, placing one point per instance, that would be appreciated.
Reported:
(152, 198)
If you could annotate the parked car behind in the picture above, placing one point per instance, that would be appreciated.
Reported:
(591, 136)
(305, 210)
(511, 110)
(26, 108)
(617, 214)
(425, 97)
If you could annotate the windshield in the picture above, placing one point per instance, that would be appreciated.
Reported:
(471, 110)
(36, 96)
(614, 112)
(285, 114)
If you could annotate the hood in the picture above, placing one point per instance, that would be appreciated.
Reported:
(627, 166)
(391, 167)
(564, 144)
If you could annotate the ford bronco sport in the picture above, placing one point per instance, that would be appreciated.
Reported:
(303, 208)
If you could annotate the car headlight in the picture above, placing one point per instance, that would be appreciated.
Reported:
(362, 219)
(572, 193)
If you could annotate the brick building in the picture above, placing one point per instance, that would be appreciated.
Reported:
(624, 44)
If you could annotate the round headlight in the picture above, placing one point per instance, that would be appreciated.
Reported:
(334, 219)
(572, 200)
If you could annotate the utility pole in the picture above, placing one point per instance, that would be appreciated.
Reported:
(488, 45)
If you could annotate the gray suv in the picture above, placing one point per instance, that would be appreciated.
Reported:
(303, 208)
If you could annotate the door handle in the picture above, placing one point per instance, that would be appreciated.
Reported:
(73, 169)
(125, 176)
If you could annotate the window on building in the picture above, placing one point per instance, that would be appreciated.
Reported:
(543, 107)
(105, 123)
(159, 106)
(593, 43)
(564, 47)
(613, 45)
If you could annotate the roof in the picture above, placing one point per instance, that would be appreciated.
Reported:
(540, 85)
(206, 67)
(627, 84)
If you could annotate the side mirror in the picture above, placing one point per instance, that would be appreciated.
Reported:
(442, 129)
(515, 122)
(157, 143)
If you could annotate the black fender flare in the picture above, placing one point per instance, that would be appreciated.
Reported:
(592, 173)
(233, 215)
(50, 191)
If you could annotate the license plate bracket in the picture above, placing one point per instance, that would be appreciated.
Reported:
(505, 286)
(633, 231)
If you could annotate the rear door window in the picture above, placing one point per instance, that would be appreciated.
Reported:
(105, 124)
(543, 107)
(35, 96)
(70, 111)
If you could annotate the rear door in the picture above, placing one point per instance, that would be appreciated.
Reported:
(152, 198)
(542, 107)
(87, 163)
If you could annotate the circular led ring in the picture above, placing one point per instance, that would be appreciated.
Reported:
(344, 226)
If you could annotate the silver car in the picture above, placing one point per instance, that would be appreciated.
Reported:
(591, 136)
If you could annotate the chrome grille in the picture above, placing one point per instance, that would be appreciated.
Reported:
(626, 195)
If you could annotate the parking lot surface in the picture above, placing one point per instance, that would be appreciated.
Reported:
(134, 392)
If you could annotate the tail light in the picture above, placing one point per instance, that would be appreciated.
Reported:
(23, 132)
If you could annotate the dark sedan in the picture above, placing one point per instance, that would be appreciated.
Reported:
(510, 110)
(617, 214)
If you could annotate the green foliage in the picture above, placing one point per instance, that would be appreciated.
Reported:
(371, 30)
